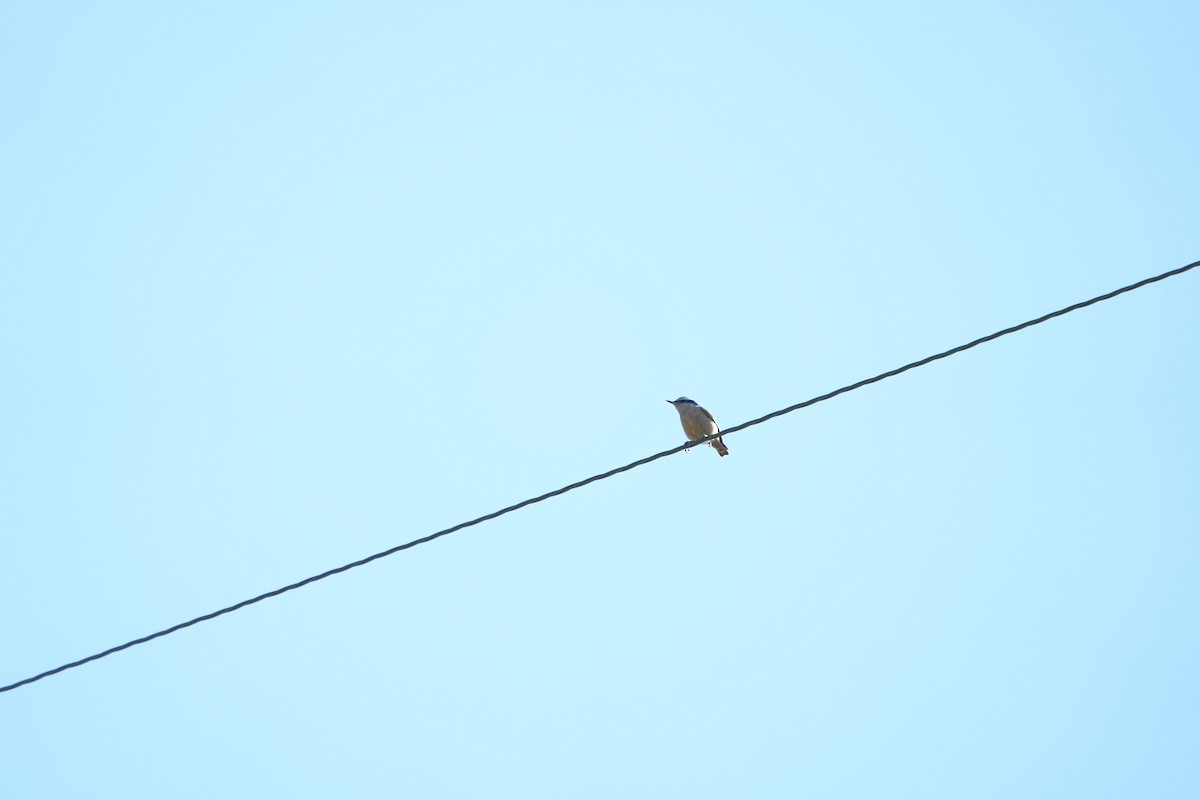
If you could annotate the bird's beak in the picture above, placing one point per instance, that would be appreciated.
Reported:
(672, 402)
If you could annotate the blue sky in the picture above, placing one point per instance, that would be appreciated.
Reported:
(289, 284)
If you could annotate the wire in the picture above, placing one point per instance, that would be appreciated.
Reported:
(600, 477)
(959, 349)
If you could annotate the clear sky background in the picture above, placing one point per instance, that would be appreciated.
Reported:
(288, 284)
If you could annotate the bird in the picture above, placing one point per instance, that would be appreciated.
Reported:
(698, 423)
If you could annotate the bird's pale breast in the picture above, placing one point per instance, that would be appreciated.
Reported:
(696, 424)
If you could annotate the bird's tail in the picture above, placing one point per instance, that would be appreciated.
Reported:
(722, 450)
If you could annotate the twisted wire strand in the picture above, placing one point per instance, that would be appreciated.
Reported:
(599, 477)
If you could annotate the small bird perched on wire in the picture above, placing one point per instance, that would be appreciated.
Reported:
(698, 423)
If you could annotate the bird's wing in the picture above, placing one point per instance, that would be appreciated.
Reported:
(710, 416)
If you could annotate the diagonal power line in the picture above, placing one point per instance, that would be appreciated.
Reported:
(602, 476)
